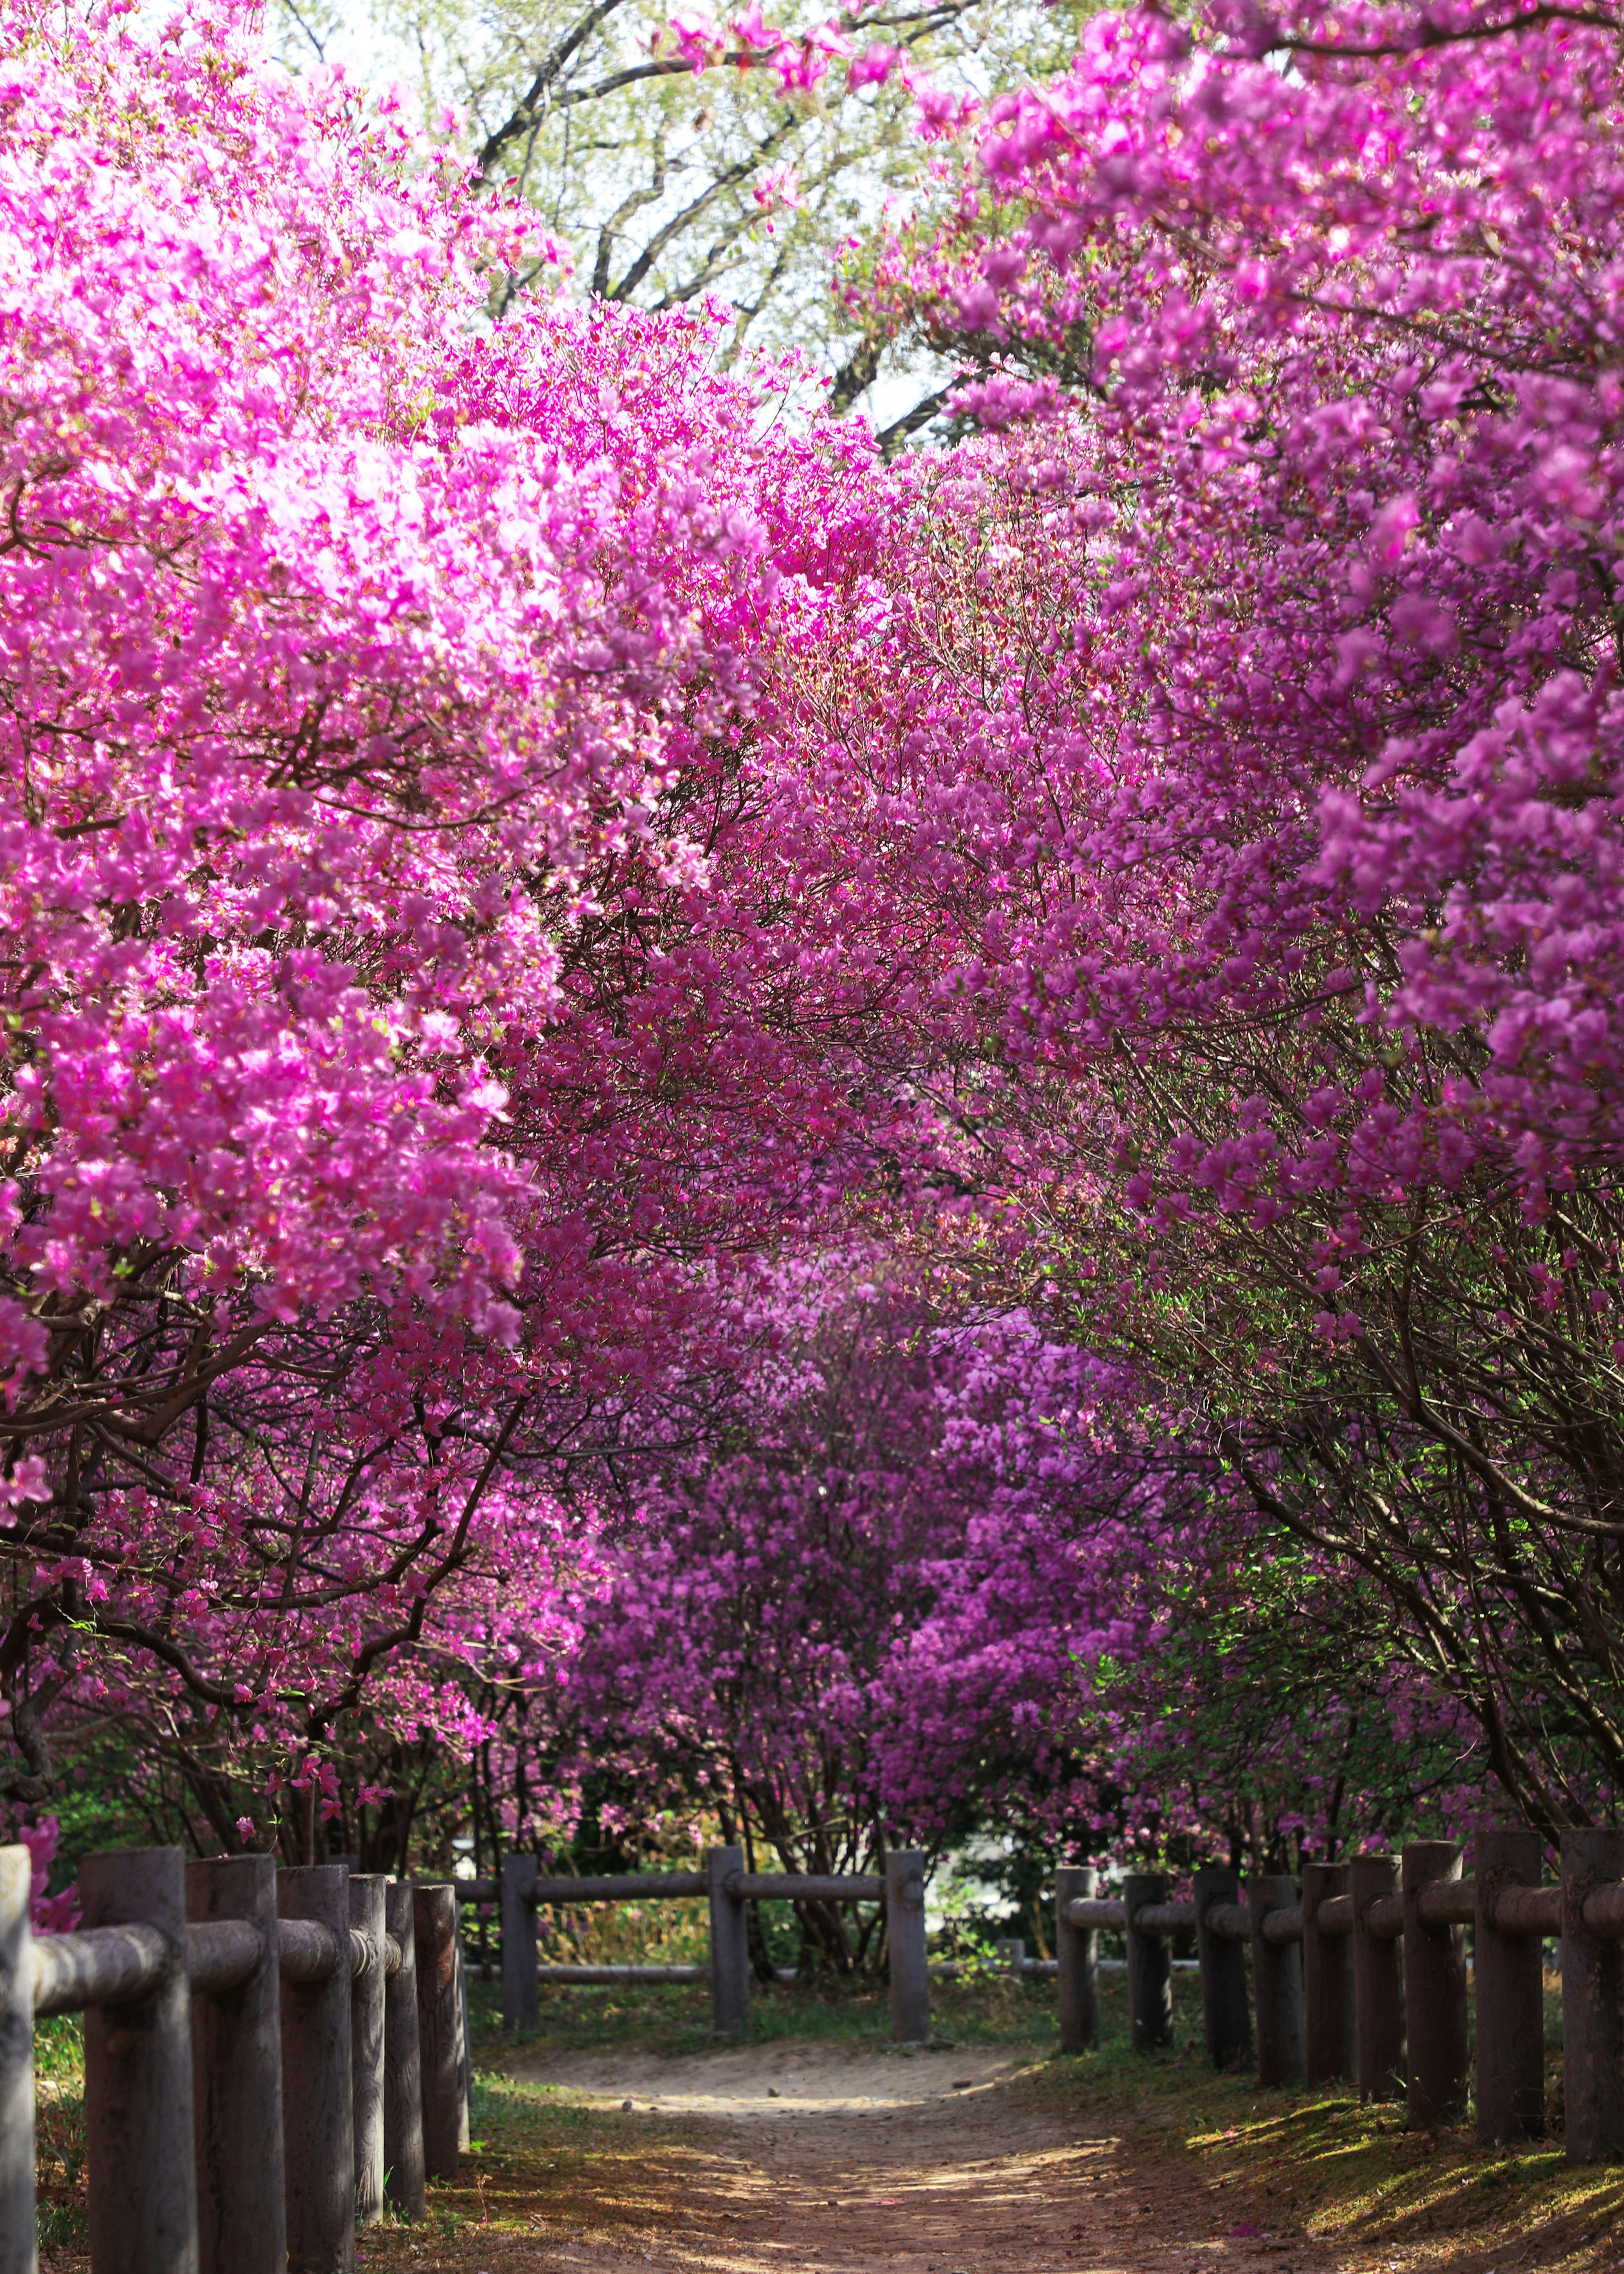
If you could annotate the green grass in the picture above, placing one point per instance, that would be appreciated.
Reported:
(59, 2133)
(675, 2017)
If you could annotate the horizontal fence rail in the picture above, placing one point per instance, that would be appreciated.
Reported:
(615, 1887)
(110, 1965)
(1361, 1975)
(269, 2057)
(806, 1887)
(606, 1977)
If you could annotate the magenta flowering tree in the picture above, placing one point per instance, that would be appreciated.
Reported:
(517, 845)
(915, 1571)
(1284, 864)
(849, 1609)
(376, 1076)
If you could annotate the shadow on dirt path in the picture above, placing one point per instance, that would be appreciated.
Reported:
(820, 2159)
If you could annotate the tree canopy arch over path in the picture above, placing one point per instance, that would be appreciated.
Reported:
(521, 846)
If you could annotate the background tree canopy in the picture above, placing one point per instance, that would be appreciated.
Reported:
(746, 181)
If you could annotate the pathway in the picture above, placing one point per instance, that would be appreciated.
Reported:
(806, 2158)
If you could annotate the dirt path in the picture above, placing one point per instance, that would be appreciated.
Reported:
(817, 2159)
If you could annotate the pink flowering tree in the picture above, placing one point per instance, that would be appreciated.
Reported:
(374, 694)
(516, 842)
(912, 1571)
(1283, 849)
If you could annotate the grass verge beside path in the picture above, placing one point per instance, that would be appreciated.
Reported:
(1302, 2168)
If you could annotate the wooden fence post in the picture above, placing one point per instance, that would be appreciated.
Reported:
(17, 2250)
(730, 1948)
(906, 1948)
(1510, 1996)
(317, 2103)
(1327, 1982)
(1435, 2026)
(403, 2061)
(1592, 2005)
(1077, 1951)
(1276, 1984)
(367, 2046)
(1378, 1984)
(139, 2139)
(521, 2008)
(1150, 1967)
(465, 2039)
(1226, 2011)
(236, 2080)
(439, 2027)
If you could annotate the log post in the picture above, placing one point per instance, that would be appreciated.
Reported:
(440, 2027)
(1150, 1967)
(1226, 2011)
(139, 2138)
(1592, 2005)
(403, 2064)
(317, 2105)
(465, 2029)
(1327, 1982)
(1276, 1984)
(1378, 1984)
(1510, 1996)
(906, 1948)
(367, 2046)
(1435, 2026)
(521, 2008)
(236, 2080)
(730, 1948)
(17, 2248)
(1077, 1951)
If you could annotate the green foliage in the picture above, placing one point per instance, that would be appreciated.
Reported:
(1274, 1721)
(111, 1796)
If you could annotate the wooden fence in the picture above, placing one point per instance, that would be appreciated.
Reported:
(269, 2056)
(1362, 1976)
(1359, 1975)
(726, 1886)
